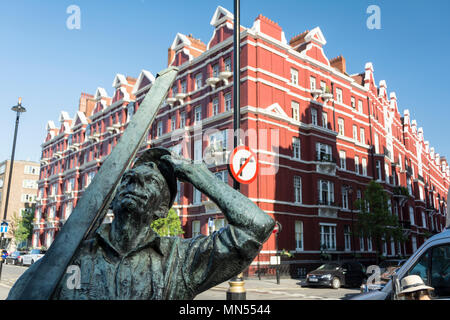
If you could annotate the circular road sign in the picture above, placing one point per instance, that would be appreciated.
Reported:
(243, 165)
(277, 228)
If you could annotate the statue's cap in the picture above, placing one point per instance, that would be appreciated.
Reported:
(154, 155)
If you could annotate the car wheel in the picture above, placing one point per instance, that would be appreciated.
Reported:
(32, 261)
(20, 262)
(335, 283)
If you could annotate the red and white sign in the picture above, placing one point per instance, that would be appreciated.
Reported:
(243, 165)
(277, 228)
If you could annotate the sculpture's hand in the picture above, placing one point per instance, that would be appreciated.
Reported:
(185, 169)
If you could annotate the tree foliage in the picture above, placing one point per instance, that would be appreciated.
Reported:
(169, 226)
(23, 226)
(376, 219)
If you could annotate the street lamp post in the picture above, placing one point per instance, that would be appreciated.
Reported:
(236, 291)
(18, 109)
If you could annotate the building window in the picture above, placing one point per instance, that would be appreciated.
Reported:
(298, 189)
(227, 64)
(424, 220)
(378, 167)
(341, 127)
(228, 101)
(198, 114)
(339, 95)
(215, 70)
(28, 198)
(29, 184)
(357, 164)
(324, 120)
(364, 166)
(386, 172)
(299, 235)
(361, 244)
(369, 244)
(360, 106)
(219, 140)
(215, 106)
(314, 116)
(344, 192)
(296, 148)
(182, 119)
(353, 102)
(195, 228)
(414, 243)
(31, 170)
(295, 106)
(159, 131)
(294, 76)
(183, 86)
(377, 144)
(362, 135)
(323, 86)
(197, 196)
(198, 81)
(411, 215)
(173, 123)
(312, 83)
(328, 237)
(222, 176)
(326, 192)
(323, 152)
(347, 238)
(343, 159)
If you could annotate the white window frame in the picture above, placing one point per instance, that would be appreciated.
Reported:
(347, 238)
(196, 230)
(341, 127)
(295, 106)
(328, 236)
(298, 230)
(294, 76)
(343, 159)
(297, 189)
(314, 116)
(296, 148)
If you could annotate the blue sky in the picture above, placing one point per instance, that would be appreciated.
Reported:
(49, 65)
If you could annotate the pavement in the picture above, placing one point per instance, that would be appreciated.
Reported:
(288, 289)
(264, 289)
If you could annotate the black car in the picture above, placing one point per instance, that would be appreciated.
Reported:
(13, 258)
(337, 274)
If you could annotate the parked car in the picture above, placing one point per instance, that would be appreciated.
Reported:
(15, 257)
(337, 274)
(32, 257)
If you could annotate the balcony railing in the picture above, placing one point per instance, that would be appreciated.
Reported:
(328, 203)
(324, 157)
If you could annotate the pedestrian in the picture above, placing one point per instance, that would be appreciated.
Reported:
(413, 288)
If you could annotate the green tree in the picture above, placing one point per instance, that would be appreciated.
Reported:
(23, 226)
(169, 226)
(375, 218)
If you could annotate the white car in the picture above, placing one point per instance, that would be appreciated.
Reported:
(32, 257)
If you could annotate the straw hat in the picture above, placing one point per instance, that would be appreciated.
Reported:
(413, 283)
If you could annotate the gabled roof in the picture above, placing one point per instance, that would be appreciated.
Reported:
(119, 79)
(316, 35)
(145, 79)
(64, 116)
(80, 118)
(100, 93)
(180, 41)
(221, 15)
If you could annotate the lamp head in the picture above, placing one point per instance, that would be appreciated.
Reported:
(18, 107)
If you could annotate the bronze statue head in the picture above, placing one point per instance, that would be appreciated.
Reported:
(148, 189)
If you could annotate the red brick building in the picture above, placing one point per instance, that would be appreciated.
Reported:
(319, 133)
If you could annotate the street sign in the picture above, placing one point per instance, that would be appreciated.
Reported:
(243, 165)
(277, 228)
(4, 227)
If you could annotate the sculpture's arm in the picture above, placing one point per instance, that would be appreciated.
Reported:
(225, 253)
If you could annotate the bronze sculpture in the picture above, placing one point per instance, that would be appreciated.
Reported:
(128, 260)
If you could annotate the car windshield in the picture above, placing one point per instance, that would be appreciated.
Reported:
(15, 254)
(329, 266)
(35, 251)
